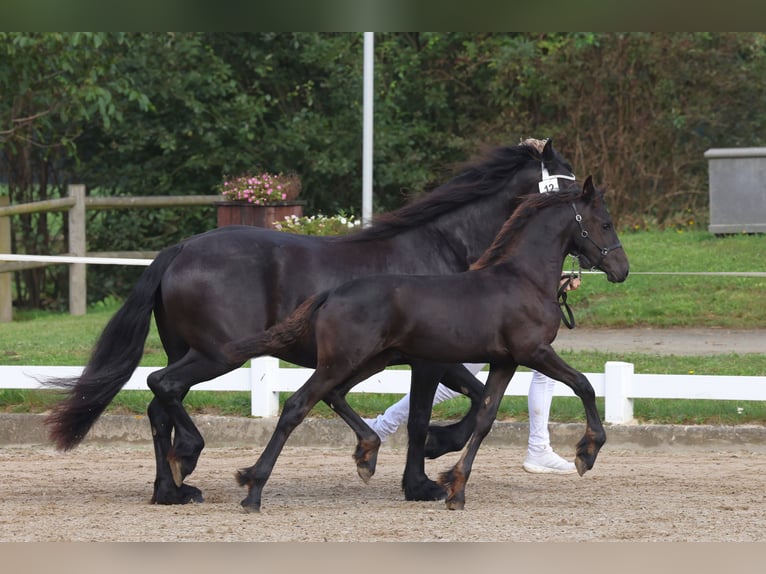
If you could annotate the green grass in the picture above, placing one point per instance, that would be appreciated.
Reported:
(679, 301)
(43, 338)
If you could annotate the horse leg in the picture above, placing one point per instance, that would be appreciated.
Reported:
(442, 439)
(415, 482)
(176, 460)
(456, 478)
(368, 442)
(546, 361)
(295, 409)
(165, 489)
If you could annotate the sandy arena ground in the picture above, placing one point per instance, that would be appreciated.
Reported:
(101, 493)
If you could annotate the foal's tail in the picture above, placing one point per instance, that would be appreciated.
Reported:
(280, 336)
(115, 356)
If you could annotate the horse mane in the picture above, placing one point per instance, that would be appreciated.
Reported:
(509, 233)
(485, 175)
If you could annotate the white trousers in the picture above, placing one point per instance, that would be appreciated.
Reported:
(538, 402)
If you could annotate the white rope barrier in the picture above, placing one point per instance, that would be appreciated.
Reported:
(146, 262)
(704, 273)
(701, 273)
(73, 259)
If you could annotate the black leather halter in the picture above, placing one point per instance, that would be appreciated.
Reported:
(585, 235)
(566, 311)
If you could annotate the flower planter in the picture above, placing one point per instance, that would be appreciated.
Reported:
(241, 213)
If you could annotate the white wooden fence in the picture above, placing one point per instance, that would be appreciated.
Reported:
(265, 379)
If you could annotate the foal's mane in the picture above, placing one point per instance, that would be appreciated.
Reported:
(509, 233)
(483, 176)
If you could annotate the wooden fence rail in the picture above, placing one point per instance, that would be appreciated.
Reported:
(265, 379)
(77, 204)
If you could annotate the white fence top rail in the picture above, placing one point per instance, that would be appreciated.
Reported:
(265, 380)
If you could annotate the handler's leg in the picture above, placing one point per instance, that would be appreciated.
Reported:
(397, 414)
(540, 456)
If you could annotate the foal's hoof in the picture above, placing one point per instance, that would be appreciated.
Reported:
(365, 473)
(582, 466)
(366, 468)
(366, 458)
(455, 504)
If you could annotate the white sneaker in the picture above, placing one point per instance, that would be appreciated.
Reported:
(548, 462)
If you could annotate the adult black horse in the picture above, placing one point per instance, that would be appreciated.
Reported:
(502, 311)
(232, 282)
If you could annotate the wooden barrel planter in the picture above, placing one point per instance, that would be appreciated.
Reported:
(241, 213)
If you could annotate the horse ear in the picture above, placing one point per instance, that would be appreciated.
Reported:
(548, 154)
(588, 189)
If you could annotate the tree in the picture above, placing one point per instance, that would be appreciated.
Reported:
(172, 113)
(54, 85)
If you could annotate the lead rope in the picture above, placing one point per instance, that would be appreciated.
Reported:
(567, 317)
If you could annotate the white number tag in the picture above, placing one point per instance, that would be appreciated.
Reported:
(547, 185)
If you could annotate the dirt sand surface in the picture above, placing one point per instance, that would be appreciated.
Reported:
(101, 493)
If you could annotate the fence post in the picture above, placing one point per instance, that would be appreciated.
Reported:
(6, 298)
(264, 400)
(78, 293)
(618, 378)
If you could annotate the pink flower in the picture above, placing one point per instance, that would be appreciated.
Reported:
(260, 189)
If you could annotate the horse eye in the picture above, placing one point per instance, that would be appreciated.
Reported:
(606, 226)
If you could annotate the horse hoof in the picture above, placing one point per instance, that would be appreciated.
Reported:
(434, 450)
(582, 467)
(365, 473)
(455, 505)
(441, 440)
(183, 495)
(425, 492)
(250, 507)
(366, 462)
(192, 494)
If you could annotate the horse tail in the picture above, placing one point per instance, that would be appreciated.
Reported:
(280, 336)
(115, 356)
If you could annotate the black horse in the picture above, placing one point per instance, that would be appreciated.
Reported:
(232, 282)
(503, 311)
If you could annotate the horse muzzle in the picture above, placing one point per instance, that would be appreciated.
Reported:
(615, 266)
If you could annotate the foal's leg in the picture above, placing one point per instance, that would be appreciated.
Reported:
(549, 363)
(456, 478)
(295, 409)
(449, 438)
(367, 443)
